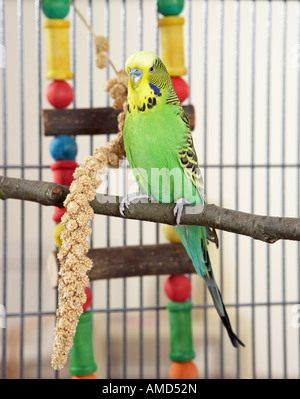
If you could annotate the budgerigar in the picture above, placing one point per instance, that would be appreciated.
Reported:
(160, 151)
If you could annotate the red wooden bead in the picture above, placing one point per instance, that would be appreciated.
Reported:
(59, 94)
(63, 172)
(58, 214)
(181, 88)
(178, 288)
(88, 302)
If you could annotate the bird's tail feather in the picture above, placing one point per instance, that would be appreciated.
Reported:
(198, 252)
(217, 299)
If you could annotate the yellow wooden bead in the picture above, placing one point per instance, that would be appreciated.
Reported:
(170, 234)
(56, 234)
(57, 49)
(171, 29)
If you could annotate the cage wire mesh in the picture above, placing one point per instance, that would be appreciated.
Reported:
(242, 59)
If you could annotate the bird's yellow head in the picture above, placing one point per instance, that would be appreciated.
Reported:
(148, 79)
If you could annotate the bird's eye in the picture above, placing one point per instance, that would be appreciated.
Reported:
(151, 70)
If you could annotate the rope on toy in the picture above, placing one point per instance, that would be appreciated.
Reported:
(100, 42)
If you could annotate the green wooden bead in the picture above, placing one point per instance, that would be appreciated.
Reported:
(82, 353)
(170, 7)
(56, 9)
(181, 340)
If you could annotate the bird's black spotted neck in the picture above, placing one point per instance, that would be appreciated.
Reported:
(148, 102)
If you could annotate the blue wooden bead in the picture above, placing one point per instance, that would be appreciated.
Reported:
(63, 147)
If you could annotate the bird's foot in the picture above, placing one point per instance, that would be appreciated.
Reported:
(130, 198)
(179, 208)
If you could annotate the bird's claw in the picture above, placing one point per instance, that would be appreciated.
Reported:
(127, 199)
(177, 211)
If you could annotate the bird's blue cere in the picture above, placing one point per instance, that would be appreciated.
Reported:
(135, 72)
(135, 75)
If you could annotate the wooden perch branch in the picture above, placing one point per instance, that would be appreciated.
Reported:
(130, 261)
(89, 121)
(264, 228)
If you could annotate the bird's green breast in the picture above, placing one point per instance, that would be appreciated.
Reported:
(152, 140)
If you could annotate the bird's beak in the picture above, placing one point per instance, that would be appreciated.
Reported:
(135, 75)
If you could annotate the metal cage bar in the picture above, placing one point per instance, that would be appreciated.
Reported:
(298, 182)
(4, 155)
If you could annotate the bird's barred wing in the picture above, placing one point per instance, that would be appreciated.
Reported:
(188, 159)
(187, 156)
(189, 162)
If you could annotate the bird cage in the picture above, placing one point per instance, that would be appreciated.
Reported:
(240, 62)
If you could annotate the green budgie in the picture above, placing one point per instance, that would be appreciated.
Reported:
(160, 151)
